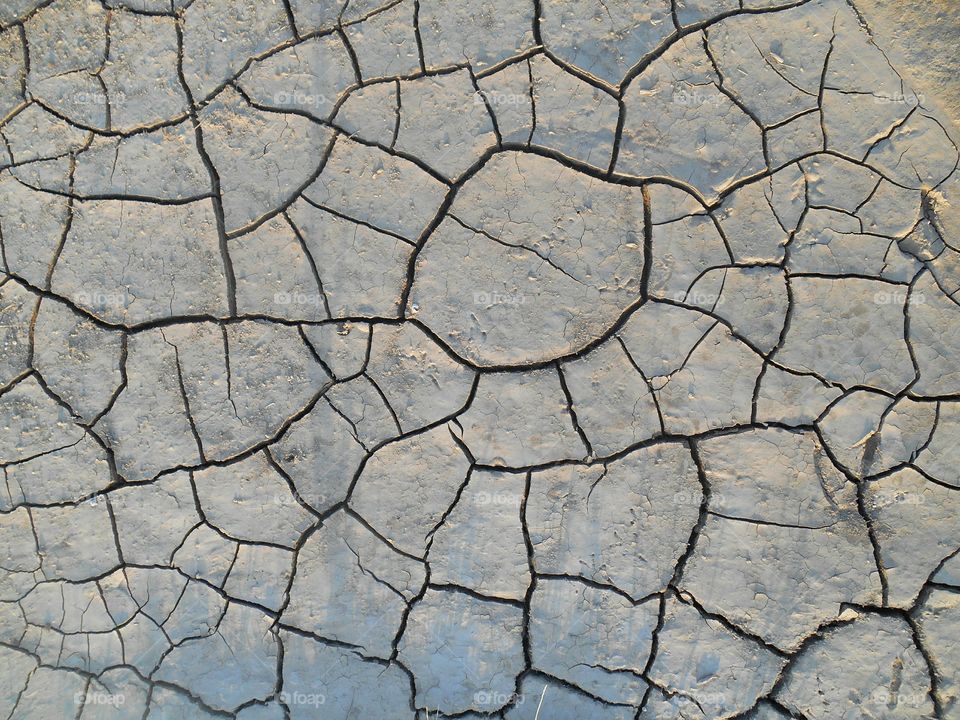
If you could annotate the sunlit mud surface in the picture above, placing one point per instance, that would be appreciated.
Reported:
(535, 360)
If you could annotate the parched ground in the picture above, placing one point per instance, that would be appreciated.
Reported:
(524, 359)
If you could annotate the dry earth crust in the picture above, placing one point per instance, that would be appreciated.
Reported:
(532, 360)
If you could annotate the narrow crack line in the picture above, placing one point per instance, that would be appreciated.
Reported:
(476, 595)
(572, 411)
(172, 320)
(661, 49)
(723, 281)
(647, 243)
(486, 104)
(675, 18)
(18, 695)
(757, 388)
(428, 231)
(386, 402)
(598, 585)
(576, 689)
(654, 651)
(351, 53)
(116, 533)
(101, 132)
(458, 440)
(920, 471)
(617, 135)
(537, 21)
(291, 20)
(226, 363)
(515, 59)
(22, 460)
(22, 32)
(355, 221)
(791, 713)
(783, 77)
(428, 539)
(532, 90)
(310, 261)
(934, 673)
(413, 433)
(367, 82)
(771, 523)
(798, 652)
(217, 199)
(732, 96)
(376, 533)
(646, 381)
(791, 118)
(930, 583)
(670, 375)
(129, 197)
(589, 78)
(823, 82)
(67, 226)
(186, 400)
(889, 134)
(299, 191)
(353, 426)
(320, 361)
(677, 577)
(861, 486)
(933, 430)
(31, 330)
(398, 115)
(89, 432)
(593, 485)
(518, 246)
(294, 491)
(372, 574)
(418, 36)
(531, 587)
(674, 693)
(908, 339)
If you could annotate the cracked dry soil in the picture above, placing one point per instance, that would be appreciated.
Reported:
(532, 360)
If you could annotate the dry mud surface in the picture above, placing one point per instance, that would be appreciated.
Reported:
(538, 359)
